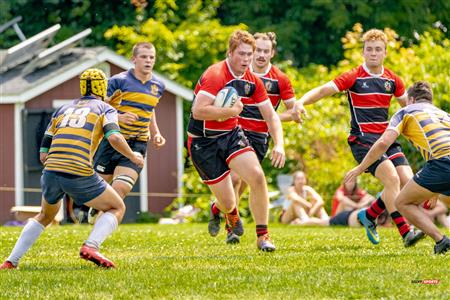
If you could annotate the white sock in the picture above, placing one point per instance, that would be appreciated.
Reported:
(104, 227)
(29, 235)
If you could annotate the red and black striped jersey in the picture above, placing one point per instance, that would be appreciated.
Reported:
(249, 87)
(369, 96)
(278, 87)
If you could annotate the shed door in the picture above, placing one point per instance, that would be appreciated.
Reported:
(34, 124)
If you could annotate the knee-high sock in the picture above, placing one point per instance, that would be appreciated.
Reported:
(400, 222)
(104, 227)
(29, 235)
(375, 209)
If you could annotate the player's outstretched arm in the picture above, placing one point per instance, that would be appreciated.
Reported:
(203, 109)
(286, 116)
(278, 156)
(310, 97)
(119, 143)
(377, 150)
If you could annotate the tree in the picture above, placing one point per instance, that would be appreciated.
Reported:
(310, 31)
(186, 44)
(73, 15)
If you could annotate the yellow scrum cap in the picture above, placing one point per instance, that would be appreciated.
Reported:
(93, 81)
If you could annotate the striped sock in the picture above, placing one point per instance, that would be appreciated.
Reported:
(375, 209)
(261, 230)
(400, 221)
(214, 209)
(227, 225)
(234, 211)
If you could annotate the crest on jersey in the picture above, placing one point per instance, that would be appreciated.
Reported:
(388, 86)
(268, 85)
(247, 88)
(154, 88)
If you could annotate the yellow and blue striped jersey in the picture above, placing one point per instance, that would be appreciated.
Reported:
(426, 127)
(74, 133)
(136, 97)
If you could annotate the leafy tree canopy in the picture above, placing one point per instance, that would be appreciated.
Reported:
(310, 31)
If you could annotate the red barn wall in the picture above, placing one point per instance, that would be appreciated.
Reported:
(7, 170)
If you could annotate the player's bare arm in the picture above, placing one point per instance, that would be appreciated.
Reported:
(157, 138)
(203, 109)
(310, 97)
(402, 100)
(119, 143)
(278, 156)
(286, 116)
(43, 157)
(377, 150)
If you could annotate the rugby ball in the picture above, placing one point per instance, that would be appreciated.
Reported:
(226, 97)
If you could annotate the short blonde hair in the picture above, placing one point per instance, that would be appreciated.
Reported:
(375, 35)
(136, 47)
(238, 37)
(267, 36)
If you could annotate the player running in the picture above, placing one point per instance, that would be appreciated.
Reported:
(217, 144)
(279, 89)
(370, 88)
(67, 149)
(427, 128)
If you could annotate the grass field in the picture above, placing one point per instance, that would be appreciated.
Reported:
(182, 261)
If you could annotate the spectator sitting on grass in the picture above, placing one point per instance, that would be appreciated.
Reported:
(302, 202)
(350, 197)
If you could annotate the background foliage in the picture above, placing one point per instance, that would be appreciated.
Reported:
(311, 31)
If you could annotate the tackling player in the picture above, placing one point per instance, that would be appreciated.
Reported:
(426, 127)
(370, 88)
(67, 148)
(218, 146)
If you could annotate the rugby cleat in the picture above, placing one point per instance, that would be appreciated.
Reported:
(443, 246)
(265, 244)
(7, 265)
(235, 224)
(213, 222)
(232, 238)
(371, 227)
(92, 254)
(412, 237)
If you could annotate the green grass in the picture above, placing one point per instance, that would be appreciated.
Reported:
(182, 261)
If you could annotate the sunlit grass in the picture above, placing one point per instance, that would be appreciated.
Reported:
(182, 261)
